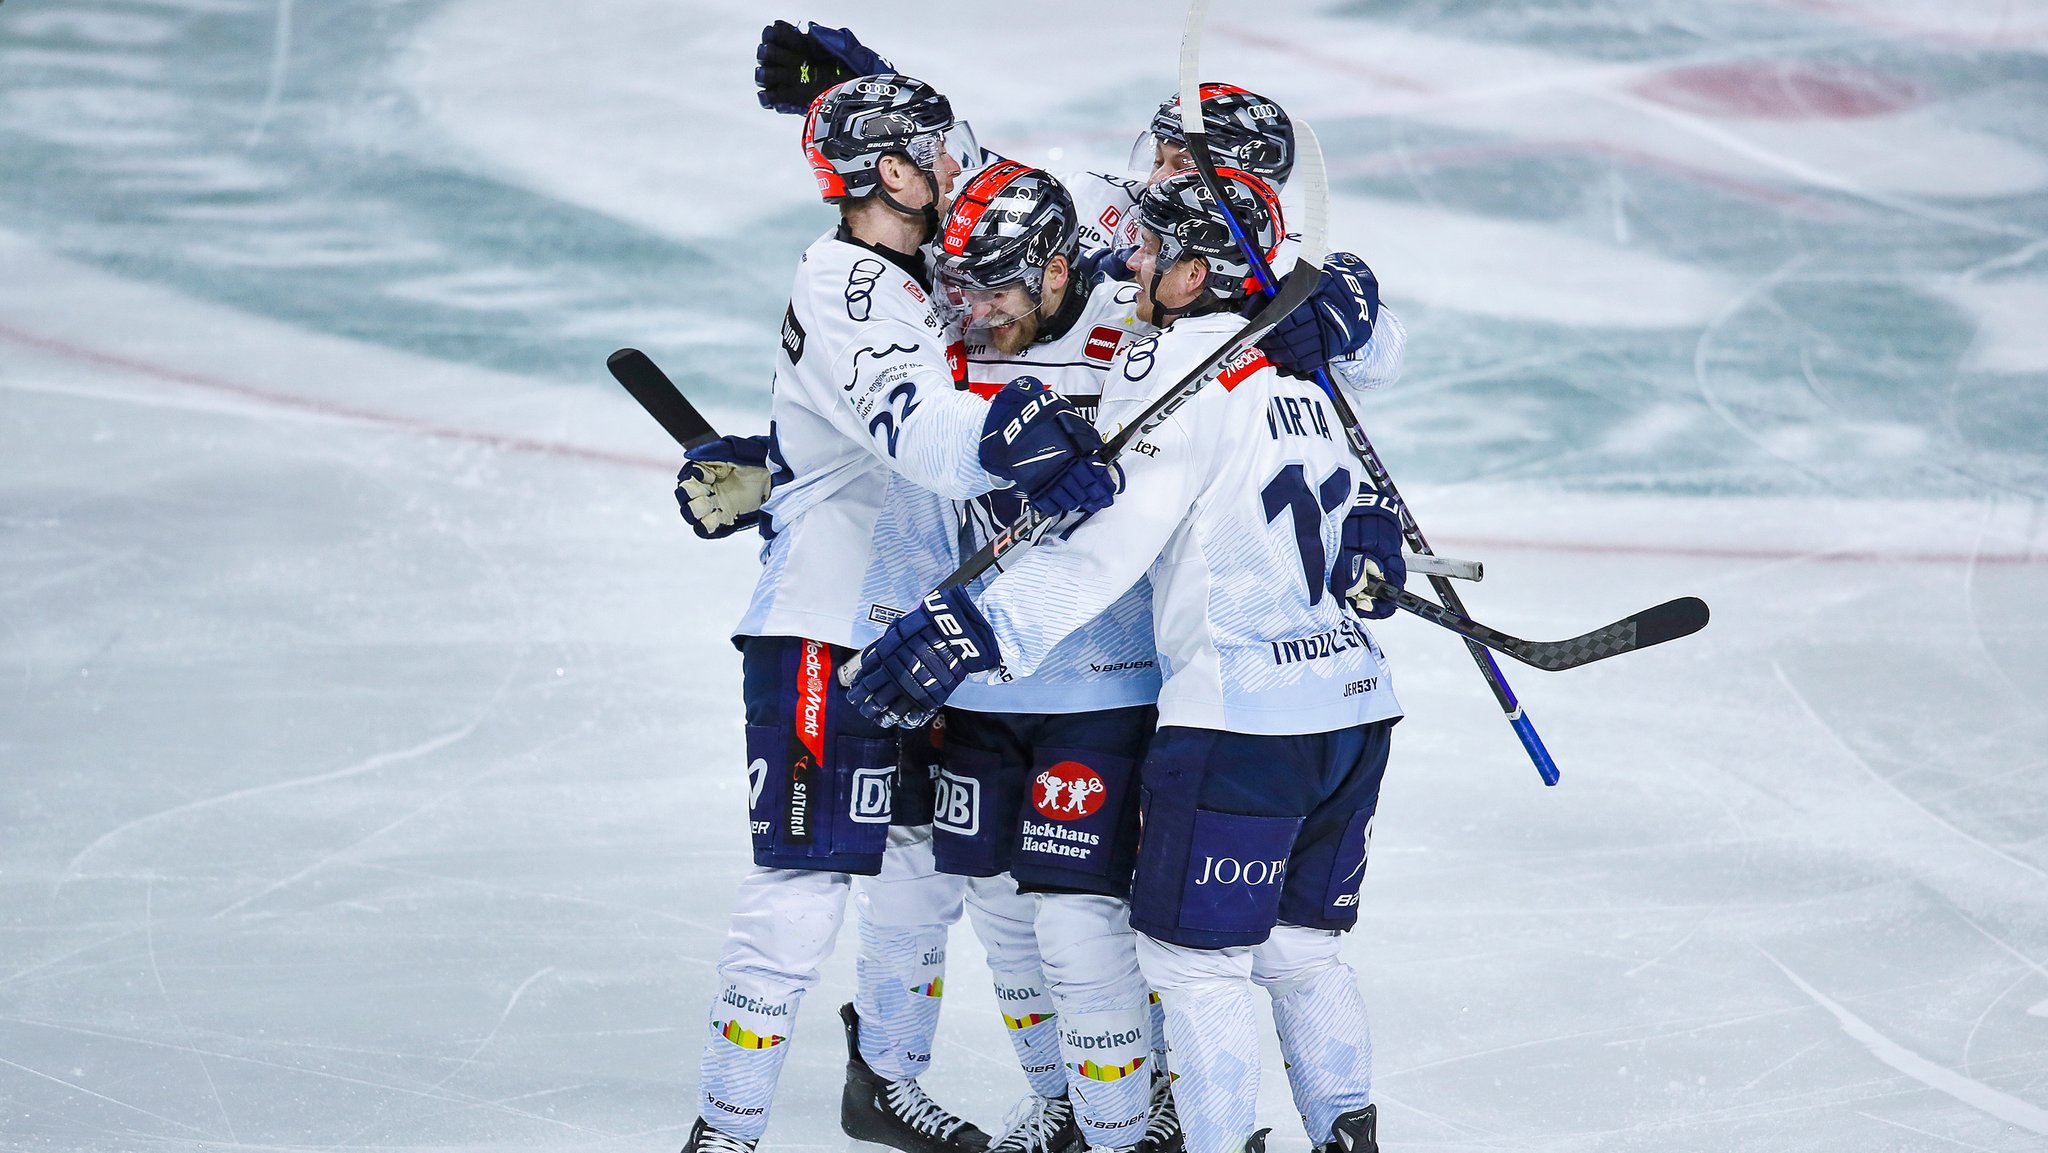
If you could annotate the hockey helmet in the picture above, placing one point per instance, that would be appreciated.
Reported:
(1190, 225)
(1245, 130)
(1003, 229)
(855, 123)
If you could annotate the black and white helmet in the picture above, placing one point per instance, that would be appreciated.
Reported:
(1004, 228)
(1246, 131)
(1190, 225)
(855, 123)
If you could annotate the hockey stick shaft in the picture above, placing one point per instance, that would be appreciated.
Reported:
(660, 397)
(1027, 523)
(1196, 133)
(1429, 564)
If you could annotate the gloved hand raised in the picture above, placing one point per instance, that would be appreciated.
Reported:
(722, 489)
(793, 67)
(1335, 322)
(1369, 548)
(1039, 442)
(916, 664)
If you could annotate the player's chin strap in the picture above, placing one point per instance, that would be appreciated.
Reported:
(929, 213)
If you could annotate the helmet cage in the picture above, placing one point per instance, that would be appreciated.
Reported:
(1004, 229)
(852, 125)
(1180, 211)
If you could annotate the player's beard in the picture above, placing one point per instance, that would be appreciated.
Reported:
(1015, 337)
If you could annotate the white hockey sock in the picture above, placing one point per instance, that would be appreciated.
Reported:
(1109, 1060)
(1091, 967)
(899, 978)
(1034, 1030)
(1327, 1041)
(743, 1057)
(1159, 1066)
(783, 925)
(1212, 1039)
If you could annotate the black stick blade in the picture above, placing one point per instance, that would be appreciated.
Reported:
(660, 397)
(1653, 626)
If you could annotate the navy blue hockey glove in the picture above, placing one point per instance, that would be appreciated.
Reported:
(793, 67)
(1039, 442)
(1369, 548)
(1335, 322)
(1096, 263)
(914, 666)
(722, 489)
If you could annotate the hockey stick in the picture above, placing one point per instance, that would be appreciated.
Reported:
(1195, 130)
(660, 397)
(1653, 626)
(1430, 564)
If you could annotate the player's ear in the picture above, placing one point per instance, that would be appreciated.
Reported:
(1057, 270)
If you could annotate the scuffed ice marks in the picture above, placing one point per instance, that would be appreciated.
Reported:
(255, 153)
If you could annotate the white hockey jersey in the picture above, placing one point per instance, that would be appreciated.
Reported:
(867, 415)
(1109, 662)
(1233, 507)
(1104, 208)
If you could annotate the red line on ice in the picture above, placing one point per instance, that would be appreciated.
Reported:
(1456, 544)
(323, 407)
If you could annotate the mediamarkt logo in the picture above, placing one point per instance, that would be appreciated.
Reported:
(810, 708)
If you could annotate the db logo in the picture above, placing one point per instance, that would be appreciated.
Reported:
(873, 790)
(1068, 791)
(956, 804)
(1110, 218)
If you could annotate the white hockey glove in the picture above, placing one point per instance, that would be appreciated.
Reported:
(721, 490)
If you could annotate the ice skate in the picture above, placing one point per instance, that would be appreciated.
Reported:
(1354, 1132)
(1040, 1125)
(897, 1113)
(1162, 1122)
(705, 1139)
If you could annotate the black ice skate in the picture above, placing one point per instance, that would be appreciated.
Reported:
(897, 1113)
(1258, 1142)
(1354, 1132)
(1040, 1125)
(705, 1139)
(1162, 1122)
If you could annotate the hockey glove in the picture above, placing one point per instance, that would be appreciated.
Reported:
(1095, 263)
(1039, 442)
(722, 489)
(793, 66)
(913, 667)
(1369, 549)
(1333, 323)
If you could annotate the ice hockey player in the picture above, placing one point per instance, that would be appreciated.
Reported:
(876, 442)
(1008, 261)
(1039, 771)
(1259, 786)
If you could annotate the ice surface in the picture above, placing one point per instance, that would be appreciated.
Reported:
(368, 731)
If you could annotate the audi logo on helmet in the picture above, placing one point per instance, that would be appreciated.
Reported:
(874, 88)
